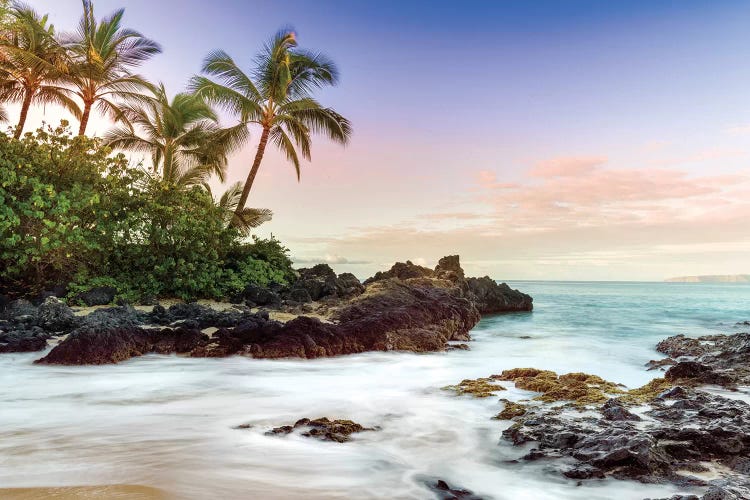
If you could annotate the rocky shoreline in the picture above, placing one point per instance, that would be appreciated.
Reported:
(407, 308)
(683, 428)
(689, 427)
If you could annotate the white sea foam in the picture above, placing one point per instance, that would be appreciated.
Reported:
(168, 421)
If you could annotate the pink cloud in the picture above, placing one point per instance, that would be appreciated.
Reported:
(571, 211)
(566, 166)
(488, 180)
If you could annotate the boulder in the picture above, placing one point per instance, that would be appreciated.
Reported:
(56, 316)
(89, 345)
(348, 285)
(98, 296)
(114, 317)
(261, 296)
(59, 291)
(444, 491)
(20, 311)
(319, 281)
(95, 346)
(300, 295)
(684, 430)
(323, 429)
(23, 340)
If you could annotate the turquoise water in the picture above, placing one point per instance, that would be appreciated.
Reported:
(167, 421)
(613, 326)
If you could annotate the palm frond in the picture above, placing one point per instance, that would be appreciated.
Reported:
(220, 65)
(250, 218)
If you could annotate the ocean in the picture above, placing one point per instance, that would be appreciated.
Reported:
(169, 422)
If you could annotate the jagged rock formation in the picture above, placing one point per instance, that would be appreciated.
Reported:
(390, 315)
(487, 296)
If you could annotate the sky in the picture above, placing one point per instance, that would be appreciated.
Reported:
(555, 140)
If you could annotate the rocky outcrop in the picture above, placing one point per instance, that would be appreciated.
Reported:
(713, 359)
(390, 315)
(197, 315)
(408, 308)
(95, 346)
(321, 282)
(491, 298)
(486, 295)
(98, 296)
(323, 429)
(19, 311)
(402, 271)
(669, 430)
(686, 431)
(24, 339)
(26, 328)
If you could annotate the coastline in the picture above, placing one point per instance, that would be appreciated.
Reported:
(444, 429)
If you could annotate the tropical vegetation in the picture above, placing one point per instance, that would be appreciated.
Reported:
(75, 212)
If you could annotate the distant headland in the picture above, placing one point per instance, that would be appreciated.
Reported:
(712, 278)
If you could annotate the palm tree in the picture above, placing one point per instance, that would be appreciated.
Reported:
(278, 98)
(182, 136)
(248, 218)
(32, 65)
(103, 53)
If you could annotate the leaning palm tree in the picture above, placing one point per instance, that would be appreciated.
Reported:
(33, 64)
(182, 136)
(278, 98)
(103, 54)
(248, 218)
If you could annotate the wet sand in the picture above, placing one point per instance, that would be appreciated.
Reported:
(108, 491)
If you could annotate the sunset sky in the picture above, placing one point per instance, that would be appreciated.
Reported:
(539, 140)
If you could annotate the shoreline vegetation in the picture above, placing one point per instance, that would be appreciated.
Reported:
(77, 216)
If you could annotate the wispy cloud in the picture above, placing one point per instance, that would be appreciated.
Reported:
(329, 259)
(566, 166)
(576, 213)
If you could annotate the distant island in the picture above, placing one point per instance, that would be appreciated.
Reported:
(712, 278)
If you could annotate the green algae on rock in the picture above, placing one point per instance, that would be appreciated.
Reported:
(479, 388)
(510, 411)
(580, 388)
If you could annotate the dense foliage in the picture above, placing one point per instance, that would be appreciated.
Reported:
(73, 214)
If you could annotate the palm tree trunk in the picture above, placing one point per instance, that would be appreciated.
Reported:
(85, 118)
(253, 171)
(24, 112)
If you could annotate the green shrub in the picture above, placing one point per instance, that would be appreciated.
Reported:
(60, 198)
(70, 213)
